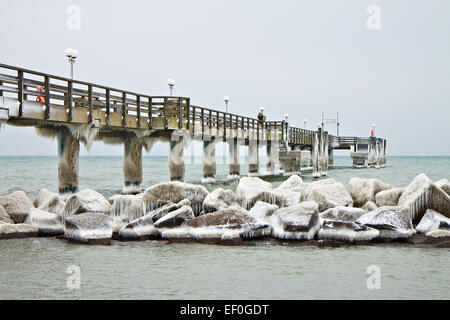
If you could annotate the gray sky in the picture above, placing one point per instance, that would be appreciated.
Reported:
(295, 57)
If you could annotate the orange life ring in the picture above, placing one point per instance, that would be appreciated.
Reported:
(41, 91)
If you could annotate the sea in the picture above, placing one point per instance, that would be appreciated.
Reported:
(44, 268)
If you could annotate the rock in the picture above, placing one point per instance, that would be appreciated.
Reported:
(422, 194)
(140, 229)
(389, 197)
(4, 217)
(53, 205)
(347, 231)
(17, 205)
(49, 224)
(175, 191)
(43, 196)
(86, 201)
(296, 222)
(219, 199)
(444, 185)
(253, 189)
(363, 190)
(89, 228)
(392, 222)
(20, 230)
(293, 190)
(166, 209)
(262, 210)
(438, 234)
(348, 214)
(175, 218)
(127, 207)
(421, 239)
(433, 221)
(329, 195)
(369, 206)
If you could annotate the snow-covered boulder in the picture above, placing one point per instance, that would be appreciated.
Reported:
(389, 197)
(348, 214)
(4, 217)
(86, 201)
(20, 230)
(293, 190)
(392, 222)
(127, 207)
(444, 185)
(17, 205)
(329, 195)
(175, 191)
(300, 221)
(89, 228)
(219, 199)
(175, 218)
(369, 206)
(49, 224)
(43, 196)
(166, 209)
(140, 229)
(422, 194)
(262, 210)
(433, 221)
(346, 231)
(253, 189)
(363, 190)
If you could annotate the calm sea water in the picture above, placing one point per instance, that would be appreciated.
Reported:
(36, 268)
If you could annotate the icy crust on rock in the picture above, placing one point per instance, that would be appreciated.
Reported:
(86, 201)
(347, 231)
(293, 190)
(48, 223)
(433, 221)
(444, 185)
(20, 230)
(363, 190)
(329, 195)
(438, 233)
(175, 191)
(262, 210)
(422, 194)
(219, 199)
(300, 222)
(175, 218)
(392, 222)
(389, 197)
(4, 217)
(166, 209)
(139, 229)
(127, 207)
(49, 201)
(253, 189)
(88, 227)
(346, 214)
(17, 205)
(369, 206)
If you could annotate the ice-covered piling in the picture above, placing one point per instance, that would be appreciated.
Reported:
(176, 160)
(233, 152)
(68, 154)
(132, 165)
(209, 160)
(253, 158)
(315, 156)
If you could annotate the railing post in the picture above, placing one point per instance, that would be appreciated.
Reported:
(224, 125)
(69, 100)
(20, 92)
(180, 114)
(108, 106)
(124, 109)
(203, 121)
(150, 113)
(1, 91)
(193, 120)
(188, 112)
(90, 102)
(138, 107)
(47, 97)
(166, 125)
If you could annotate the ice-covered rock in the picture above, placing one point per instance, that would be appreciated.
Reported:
(262, 210)
(392, 222)
(293, 190)
(438, 234)
(253, 189)
(49, 224)
(90, 228)
(175, 218)
(369, 206)
(175, 191)
(166, 209)
(346, 231)
(422, 194)
(432, 221)
(140, 229)
(20, 230)
(127, 207)
(4, 217)
(444, 185)
(219, 199)
(49, 201)
(300, 221)
(329, 195)
(363, 190)
(389, 197)
(348, 214)
(86, 201)
(17, 205)
(43, 196)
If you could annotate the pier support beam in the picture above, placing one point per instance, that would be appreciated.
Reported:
(324, 164)
(372, 149)
(176, 159)
(253, 158)
(315, 155)
(68, 155)
(132, 165)
(378, 154)
(383, 163)
(273, 149)
(209, 160)
(234, 165)
(305, 159)
(330, 156)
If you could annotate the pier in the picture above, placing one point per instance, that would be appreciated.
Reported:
(75, 111)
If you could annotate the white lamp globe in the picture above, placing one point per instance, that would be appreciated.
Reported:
(226, 98)
(171, 82)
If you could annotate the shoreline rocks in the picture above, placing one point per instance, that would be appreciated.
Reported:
(17, 205)
(89, 228)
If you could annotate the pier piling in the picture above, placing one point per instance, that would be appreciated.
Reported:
(68, 156)
(132, 165)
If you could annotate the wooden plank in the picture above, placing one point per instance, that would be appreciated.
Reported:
(90, 103)
(138, 112)
(20, 92)
(124, 109)
(108, 106)
(47, 97)
(69, 100)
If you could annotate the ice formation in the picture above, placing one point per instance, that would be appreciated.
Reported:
(389, 197)
(89, 228)
(47, 223)
(432, 221)
(348, 214)
(364, 190)
(86, 201)
(329, 195)
(347, 231)
(252, 189)
(17, 205)
(219, 199)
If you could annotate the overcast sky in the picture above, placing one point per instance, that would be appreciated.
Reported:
(295, 57)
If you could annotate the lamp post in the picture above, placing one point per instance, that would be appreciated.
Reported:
(226, 99)
(71, 54)
(304, 123)
(171, 84)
